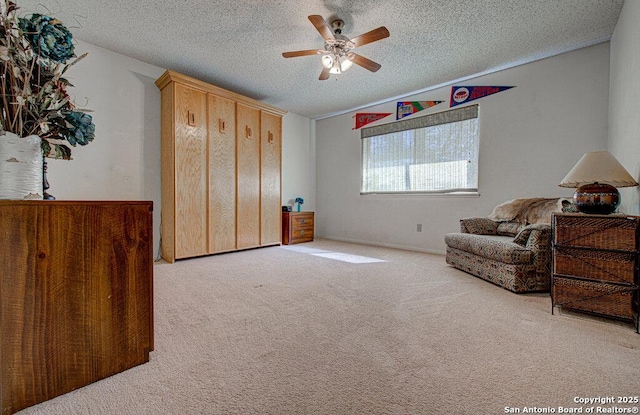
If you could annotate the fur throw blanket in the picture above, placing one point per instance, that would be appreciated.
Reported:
(529, 211)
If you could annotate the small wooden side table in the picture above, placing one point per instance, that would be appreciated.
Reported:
(297, 227)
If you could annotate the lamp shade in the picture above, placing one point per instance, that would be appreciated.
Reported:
(598, 167)
(596, 176)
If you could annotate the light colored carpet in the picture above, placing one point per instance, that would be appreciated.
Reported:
(284, 331)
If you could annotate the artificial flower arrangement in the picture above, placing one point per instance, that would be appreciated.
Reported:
(35, 52)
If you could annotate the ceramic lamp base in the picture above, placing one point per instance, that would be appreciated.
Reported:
(597, 198)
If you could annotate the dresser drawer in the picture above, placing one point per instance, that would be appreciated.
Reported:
(618, 267)
(302, 220)
(597, 232)
(593, 297)
(302, 235)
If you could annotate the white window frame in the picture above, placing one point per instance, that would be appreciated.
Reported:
(445, 117)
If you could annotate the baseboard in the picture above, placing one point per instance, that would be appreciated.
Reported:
(394, 246)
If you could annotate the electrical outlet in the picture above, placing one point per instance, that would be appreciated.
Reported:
(419, 227)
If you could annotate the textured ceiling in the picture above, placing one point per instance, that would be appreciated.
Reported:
(238, 44)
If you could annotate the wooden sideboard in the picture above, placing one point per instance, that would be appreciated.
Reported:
(76, 295)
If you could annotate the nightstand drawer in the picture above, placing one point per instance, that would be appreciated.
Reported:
(297, 227)
(594, 297)
(304, 220)
(597, 232)
(618, 267)
(302, 235)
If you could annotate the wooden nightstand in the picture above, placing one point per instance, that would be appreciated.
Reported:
(297, 227)
(595, 265)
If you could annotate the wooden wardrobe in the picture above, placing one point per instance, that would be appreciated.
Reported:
(221, 162)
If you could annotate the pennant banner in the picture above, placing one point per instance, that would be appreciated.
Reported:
(364, 118)
(411, 107)
(462, 94)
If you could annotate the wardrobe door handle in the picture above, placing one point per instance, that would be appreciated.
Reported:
(247, 131)
(222, 125)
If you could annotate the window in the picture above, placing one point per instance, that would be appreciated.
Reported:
(437, 153)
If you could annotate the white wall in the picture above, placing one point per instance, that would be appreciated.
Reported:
(530, 137)
(123, 162)
(624, 101)
(299, 161)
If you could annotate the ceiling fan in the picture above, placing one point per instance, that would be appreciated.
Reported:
(337, 55)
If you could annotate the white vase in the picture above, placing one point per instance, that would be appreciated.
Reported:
(20, 167)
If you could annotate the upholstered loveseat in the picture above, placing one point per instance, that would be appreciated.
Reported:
(511, 247)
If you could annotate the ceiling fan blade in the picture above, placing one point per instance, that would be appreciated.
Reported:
(365, 63)
(322, 27)
(372, 36)
(302, 53)
(324, 75)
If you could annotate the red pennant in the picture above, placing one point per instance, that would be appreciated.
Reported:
(364, 118)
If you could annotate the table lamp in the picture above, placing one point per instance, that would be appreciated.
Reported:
(595, 177)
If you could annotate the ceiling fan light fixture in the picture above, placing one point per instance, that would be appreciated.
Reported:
(327, 60)
(346, 62)
(337, 63)
(336, 68)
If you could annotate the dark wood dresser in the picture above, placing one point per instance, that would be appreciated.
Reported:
(595, 265)
(76, 295)
(297, 227)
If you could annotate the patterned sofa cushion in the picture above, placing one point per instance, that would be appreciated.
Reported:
(523, 236)
(479, 226)
(509, 228)
(498, 248)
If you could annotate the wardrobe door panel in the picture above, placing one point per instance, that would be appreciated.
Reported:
(270, 162)
(191, 172)
(248, 179)
(212, 192)
(222, 174)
